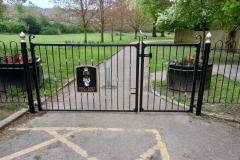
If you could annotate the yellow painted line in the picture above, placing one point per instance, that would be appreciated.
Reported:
(63, 139)
(69, 129)
(33, 148)
(70, 144)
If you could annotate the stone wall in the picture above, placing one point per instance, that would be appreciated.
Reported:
(188, 36)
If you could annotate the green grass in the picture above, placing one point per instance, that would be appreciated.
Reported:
(227, 94)
(9, 109)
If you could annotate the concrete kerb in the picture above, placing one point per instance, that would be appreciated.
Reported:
(13, 117)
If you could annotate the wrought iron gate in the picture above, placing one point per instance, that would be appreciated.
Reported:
(131, 77)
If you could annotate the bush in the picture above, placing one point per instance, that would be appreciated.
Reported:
(49, 30)
(11, 27)
(16, 27)
(3, 27)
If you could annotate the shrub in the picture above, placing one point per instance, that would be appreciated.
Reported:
(3, 27)
(49, 30)
(15, 27)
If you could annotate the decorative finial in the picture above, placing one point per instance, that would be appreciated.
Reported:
(208, 37)
(22, 37)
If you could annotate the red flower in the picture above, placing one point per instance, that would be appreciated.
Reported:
(190, 58)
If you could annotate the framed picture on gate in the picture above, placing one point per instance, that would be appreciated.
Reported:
(86, 79)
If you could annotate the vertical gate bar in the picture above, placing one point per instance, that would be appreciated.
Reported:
(195, 74)
(111, 79)
(92, 63)
(123, 77)
(44, 82)
(137, 77)
(185, 93)
(155, 76)
(235, 79)
(49, 75)
(169, 58)
(219, 61)
(85, 53)
(130, 79)
(55, 76)
(27, 73)
(160, 88)
(99, 88)
(105, 77)
(79, 63)
(61, 76)
(35, 75)
(229, 77)
(141, 75)
(117, 77)
(74, 79)
(204, 72)
(224, 71)
(148, 81)
(68, 82)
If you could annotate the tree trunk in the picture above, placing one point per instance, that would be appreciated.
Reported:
(162, 34)
(135, 32)
(120, 35)
(154, 31)
(85, 35)
(112, 34)
(230, 43)
(102, 20)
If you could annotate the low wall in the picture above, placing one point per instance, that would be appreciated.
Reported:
(188, 36)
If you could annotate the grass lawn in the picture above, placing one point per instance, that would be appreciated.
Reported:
(9, 109)
(225, 95)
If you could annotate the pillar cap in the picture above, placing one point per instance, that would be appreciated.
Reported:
(208, 37)
(22, 37)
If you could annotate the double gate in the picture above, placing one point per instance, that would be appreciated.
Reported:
(131, 77)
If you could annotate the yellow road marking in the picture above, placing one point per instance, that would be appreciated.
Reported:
(33, 148)
(159, 146)
(63, 139)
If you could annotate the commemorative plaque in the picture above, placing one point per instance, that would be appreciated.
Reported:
(86, 79)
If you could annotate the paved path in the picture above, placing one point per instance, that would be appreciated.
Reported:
(122, 75)
(120, 136)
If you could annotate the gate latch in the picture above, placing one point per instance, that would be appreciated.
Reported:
(148, 55)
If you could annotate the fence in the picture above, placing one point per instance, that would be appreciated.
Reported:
(122, 69)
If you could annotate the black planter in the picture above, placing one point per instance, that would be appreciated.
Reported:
(13, 76)
(180, 77)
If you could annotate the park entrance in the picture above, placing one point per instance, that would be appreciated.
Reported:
(136, 77)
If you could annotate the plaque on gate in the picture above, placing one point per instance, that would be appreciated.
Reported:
(86, 79)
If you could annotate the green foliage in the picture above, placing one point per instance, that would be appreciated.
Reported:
(32, 26)
(11, 27)
(49, 30)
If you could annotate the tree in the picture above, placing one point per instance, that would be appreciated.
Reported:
(2, 8)
(32, 26)
(83, 11)
(155, 7)
(121, 9)
(18, 5)
(138, 17)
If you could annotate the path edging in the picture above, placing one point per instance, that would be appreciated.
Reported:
(12, 117)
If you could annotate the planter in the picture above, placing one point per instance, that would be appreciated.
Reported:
(13, 76)
(180, 77)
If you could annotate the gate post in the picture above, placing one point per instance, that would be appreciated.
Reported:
(27, 72)
(207, 49)
(35, 75)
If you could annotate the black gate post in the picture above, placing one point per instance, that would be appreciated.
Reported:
(27, 73)
(35, 75)
(207, 49)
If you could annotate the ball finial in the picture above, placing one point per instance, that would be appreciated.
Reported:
(22, 37)
(208, 37)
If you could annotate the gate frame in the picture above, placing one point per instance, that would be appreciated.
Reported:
(140, 57)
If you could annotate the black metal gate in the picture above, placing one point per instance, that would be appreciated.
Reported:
(131, 77)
